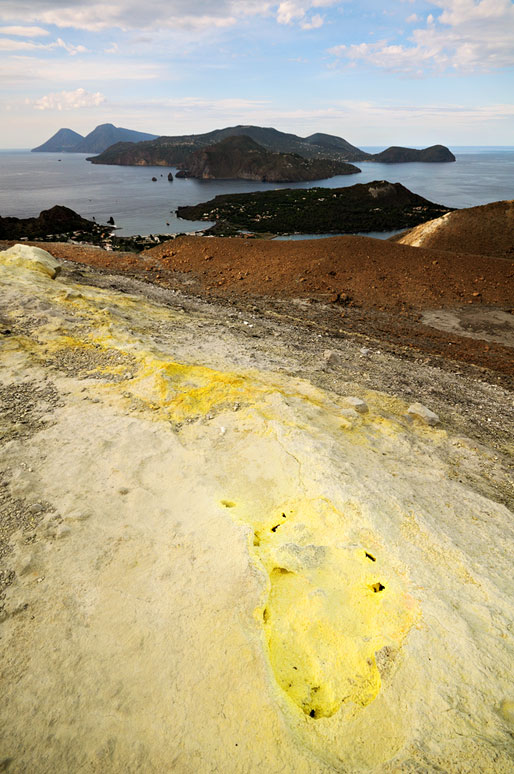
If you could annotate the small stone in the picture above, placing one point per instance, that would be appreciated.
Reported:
(359, 405)
(62, 531)
(365, 351)
(423, 413)
(331, 358)
(77, 516)
(36, 508)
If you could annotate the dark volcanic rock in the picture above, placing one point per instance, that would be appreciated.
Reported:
(376, 206)
(398, 155)
(63, 141)
(101, 138)
(170, 177)
(175, 151)
(240, 158)
(106, 135)
(57, 220)
(182, 173)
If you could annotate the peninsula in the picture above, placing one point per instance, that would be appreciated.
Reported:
(376, 206)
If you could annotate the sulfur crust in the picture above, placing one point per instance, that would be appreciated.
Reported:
(340, 616)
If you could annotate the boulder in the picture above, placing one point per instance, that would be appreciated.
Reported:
(356, 403)
(423, 414)
(32, 258)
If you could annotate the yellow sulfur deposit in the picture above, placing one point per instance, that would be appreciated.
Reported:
(332, 606)
(222, 567)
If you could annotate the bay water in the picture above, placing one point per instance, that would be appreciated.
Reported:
(31, 182)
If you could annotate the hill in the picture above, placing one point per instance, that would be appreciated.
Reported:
(106, 135)
(376, 206)
(243, 159)
(101, 138)
(63, 141)
(334, 143)
(56, 220)
(485, 230)
(399, 155)
(174, 151)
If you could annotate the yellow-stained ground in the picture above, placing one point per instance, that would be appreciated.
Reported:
(238, 572)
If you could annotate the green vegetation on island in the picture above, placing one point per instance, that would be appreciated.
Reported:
(376, 206)
(242, 158)
(175, 150)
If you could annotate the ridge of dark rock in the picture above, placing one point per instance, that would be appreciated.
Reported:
(242, 158)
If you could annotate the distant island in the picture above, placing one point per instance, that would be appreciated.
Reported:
(241, 158)
(376, 206)
(175, 151)
(398, 155)
(126, 147)
(101, 138)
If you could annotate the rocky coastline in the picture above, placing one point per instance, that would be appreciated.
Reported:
(241, 158)
(375, 206)
(61, 224)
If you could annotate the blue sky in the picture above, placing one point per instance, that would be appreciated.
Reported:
(410, 72)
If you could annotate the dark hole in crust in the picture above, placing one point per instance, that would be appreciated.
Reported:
(370, 556)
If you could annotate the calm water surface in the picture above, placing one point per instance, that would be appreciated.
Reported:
(31, 182)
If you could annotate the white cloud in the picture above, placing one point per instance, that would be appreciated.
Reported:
(227, 105)
(467, 36)
(95, 15)
(30, 70)
(291, 11)
(24, 32)
(72, 50)
(315, 22)
(69, 100)
(412, 19)
(6, 44)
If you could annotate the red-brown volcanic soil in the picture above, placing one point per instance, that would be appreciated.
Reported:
(375, 288)
(484, 230)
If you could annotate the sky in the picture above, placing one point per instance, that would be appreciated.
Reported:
(405, 72)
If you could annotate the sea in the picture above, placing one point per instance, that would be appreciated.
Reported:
(31, 182)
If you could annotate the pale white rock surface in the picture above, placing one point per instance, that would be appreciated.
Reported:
(34, 258)
(423, 413)
(357, 403)
(245, 582)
